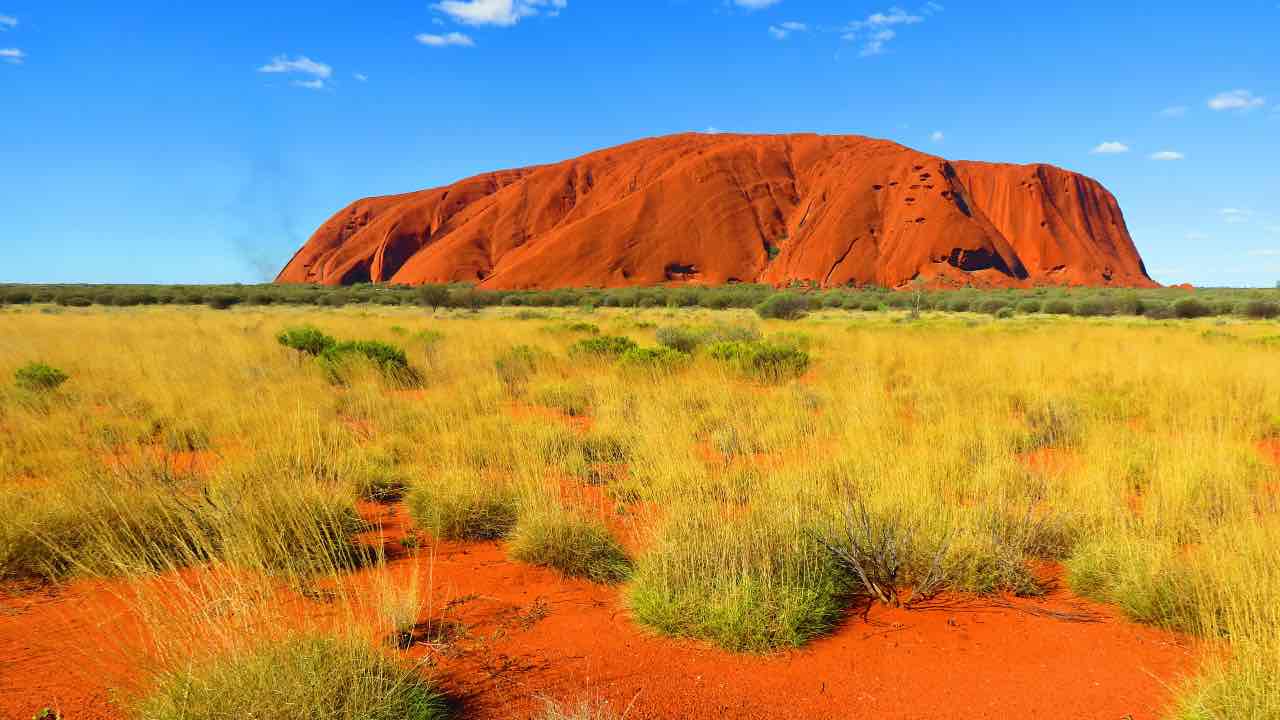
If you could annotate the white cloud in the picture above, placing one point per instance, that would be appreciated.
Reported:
(755, 4)
(8, 21)
(1235, 215)
(316, 84)
(937, 136)
(448, 39)
(503, 13)
(1167, 155)
(782, 30)
(1111, 147)
(1173, 112)
(712, 130)
(1236, 100)
(876, 30)
(302, 64)
(13, 56)
(360, 77)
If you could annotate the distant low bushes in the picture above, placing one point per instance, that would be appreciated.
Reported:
(783, 306)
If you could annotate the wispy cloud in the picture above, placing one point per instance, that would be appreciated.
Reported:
(1167, 155)
(7, 22)
(361, 77)
(302, 65)
(453, 39)
(755, 4)
(1175, 111)
(1235, 215)
(877, 29)
(1111, 147)
(782, 30)
(13, 56)
(937, 136)
(502, 13)
(1236, 100)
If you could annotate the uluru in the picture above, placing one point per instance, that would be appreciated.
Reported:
(722, 208)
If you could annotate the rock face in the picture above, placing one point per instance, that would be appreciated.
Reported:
(713, 209)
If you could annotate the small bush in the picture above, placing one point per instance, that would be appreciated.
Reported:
(1158, 311)
(573, 400)
(769, 362)
(680, 337)
(1261, 309)
(308, 676)
(389, 359)
(1187, 308)
(38, 377)
(517, 365)
(576, 546)
(1059, 306)
(455, 507)
(783, 306)
(1090, 307)
(653, 359)
(603, 346)
(1029, 307)
(223, 301)
(1004, 313)
(306, 339)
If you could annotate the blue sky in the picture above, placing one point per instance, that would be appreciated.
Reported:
(167, 141)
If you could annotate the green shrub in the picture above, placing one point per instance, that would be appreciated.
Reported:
(992, 306)
(603, 346)
(1059, 306)
(39, 377)
(960, 304)
(454, 507)
(1261, 309)
(223, 301)
(783, 306)
(306, 339)
(1004, 313)
(1158, 311)
(312, 676)
(1029, 307)
(653, 359)
(574, 545)
(765, 361)
(1191, 308)
(680, 337)
(1090, 307)
(390, 360)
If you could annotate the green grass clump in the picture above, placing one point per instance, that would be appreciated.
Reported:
(306, 339)
(653, 359)
(765, 361)
(312, 676)
(751, 583)
(784, 306)
(572, 399)
(297, 531)
(570, 543)
(39, 377)
(610, 346)
(457, 507)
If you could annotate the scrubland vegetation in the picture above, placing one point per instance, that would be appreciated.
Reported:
(742, 480)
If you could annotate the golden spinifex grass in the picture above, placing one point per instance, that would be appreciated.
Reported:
(756, 507)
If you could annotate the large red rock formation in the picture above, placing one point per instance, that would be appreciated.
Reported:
(832, 210)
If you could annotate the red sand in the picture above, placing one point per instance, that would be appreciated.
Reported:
(527, 633)
(710, 209)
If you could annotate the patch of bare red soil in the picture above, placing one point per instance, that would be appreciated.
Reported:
(1270, 449)
(1050, 460)
(524, 411)
(504, 635)
(178, 462)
